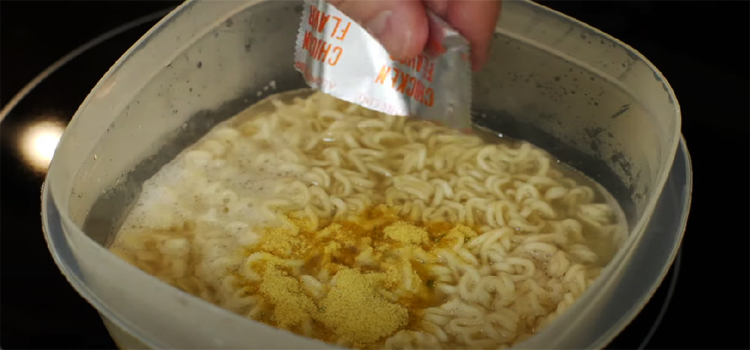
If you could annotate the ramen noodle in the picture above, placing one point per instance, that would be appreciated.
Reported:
(366, 230)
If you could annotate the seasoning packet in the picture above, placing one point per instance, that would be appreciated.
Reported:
(339, 57)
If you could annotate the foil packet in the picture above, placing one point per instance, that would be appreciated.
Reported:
(339, 57)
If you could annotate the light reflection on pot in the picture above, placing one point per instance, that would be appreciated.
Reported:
(38, 142)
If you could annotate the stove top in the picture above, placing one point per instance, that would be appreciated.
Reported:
(53, 53)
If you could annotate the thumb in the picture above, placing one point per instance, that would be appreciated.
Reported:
(400, 25)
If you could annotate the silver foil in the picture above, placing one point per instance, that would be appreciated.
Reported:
(339, 57)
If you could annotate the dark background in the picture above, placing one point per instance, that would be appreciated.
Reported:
(700, 46)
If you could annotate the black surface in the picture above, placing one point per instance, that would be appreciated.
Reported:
(701, 48)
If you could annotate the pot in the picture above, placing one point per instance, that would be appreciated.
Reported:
(585, 97)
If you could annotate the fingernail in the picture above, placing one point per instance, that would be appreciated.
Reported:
(382, 28)
(378, 25)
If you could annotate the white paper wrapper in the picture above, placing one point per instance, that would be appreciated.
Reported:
(339, 57)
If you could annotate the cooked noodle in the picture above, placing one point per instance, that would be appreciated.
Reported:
(372, 231)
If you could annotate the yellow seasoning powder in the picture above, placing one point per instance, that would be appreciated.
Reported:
(355, 311)
(292, 306)
(406, 233)
(281, 241)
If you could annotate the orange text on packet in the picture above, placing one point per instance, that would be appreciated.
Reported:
(318, 20)
(420, 64)
(406, 84)
(319, 49)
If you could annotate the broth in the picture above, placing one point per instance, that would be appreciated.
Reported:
(373, 231)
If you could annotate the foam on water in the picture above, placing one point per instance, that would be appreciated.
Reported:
(222, 168)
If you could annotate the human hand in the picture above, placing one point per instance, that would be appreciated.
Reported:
(401, 26)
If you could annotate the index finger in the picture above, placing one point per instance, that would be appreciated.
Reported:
(476, 21)
(399, 25)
